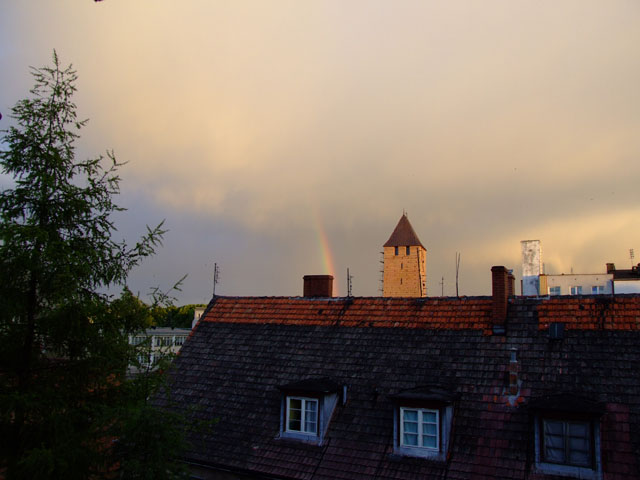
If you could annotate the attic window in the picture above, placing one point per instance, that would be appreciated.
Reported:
(302, 415)
(567, 436)
(306, 409)
(422, 425)
(419, 428)
(566, 442)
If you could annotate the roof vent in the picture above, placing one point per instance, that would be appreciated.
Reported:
(556, 331)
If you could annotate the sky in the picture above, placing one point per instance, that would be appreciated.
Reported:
(283, 138)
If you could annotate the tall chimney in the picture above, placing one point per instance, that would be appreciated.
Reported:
(318, 286)
(502, 286)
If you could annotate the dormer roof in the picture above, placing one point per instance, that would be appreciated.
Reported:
(403, 235)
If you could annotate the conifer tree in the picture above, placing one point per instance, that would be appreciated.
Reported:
(63, 347)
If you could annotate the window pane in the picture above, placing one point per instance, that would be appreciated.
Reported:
(410, 415)
(429, 417)
(430, 441)
(430, 429)
(579, 443)
(295, 414)
(310, 416)
(410, 439)
(554, 441)
(411, 427)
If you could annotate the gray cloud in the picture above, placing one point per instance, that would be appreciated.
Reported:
(243, 123)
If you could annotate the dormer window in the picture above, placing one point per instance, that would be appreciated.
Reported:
(302, 415)
(307, 407)
(567, 436)
(420, 428)
(423, 418)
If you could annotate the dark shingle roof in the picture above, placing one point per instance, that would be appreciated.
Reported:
(244, 349)
(403, 235)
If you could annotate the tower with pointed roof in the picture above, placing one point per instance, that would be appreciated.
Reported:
(405, 263)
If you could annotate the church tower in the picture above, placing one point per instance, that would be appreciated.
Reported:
(405, 263)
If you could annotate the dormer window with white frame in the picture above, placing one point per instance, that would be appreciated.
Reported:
(420, 428)
(307, 407)
(302, 415)
(422, 422)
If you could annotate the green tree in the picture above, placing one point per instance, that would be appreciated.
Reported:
(63, 344)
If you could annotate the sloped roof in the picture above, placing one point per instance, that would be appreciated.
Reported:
(244, 349)
(403, 235)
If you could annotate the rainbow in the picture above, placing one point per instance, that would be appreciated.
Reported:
(325, 252)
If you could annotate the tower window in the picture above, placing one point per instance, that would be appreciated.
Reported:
(396, 250)
(408, 250)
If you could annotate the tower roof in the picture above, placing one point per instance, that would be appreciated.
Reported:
(403, 235)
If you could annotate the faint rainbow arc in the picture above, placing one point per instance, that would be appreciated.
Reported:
(327, 256)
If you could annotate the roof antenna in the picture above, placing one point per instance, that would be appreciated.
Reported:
(349, 278)
(442, 285)
(216, 277)
(404, 213)
(631, 256)
(381, 288)
(457, 271)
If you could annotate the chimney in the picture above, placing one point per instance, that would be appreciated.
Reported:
(611, 267)
(318, 286)
(503, 286)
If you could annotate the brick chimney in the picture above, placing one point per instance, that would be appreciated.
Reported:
(502, 281)
(318, 286)
(611, 267)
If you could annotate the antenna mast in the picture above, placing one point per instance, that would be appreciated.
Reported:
(457, 271)
(631, 256)
(442, 286)
(382, 274)
(216, 277)
(349, 278)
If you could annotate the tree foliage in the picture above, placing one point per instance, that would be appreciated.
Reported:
(63, 343)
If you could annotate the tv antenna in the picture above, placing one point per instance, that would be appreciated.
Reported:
(349, 278)
(442, 287)
(457, 271)
(216, 277)
(381, 288)
(631, 256)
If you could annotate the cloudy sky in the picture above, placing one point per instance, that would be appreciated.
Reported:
(283, 138)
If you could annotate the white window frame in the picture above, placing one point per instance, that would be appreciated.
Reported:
(303, 415)
(555, 290)
(421, 434)
(576, 290)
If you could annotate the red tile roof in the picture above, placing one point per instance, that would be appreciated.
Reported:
(432, 313)
(621, 312)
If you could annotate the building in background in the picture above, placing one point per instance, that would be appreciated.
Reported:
(159, 342)
(531, 267)
(405, 263)
(625, 281)
(536, 282)
(576, 284)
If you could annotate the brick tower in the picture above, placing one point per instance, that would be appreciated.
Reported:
(405, 263)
